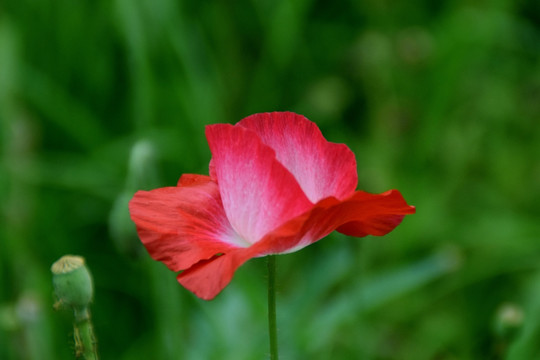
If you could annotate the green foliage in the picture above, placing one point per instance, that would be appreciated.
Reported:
(437, 99)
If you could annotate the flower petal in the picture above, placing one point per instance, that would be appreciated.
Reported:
(360, 215)
(365, 213)
(182, 225)
(207, 278)
(322, 168)
(385, 213)
(258, 193)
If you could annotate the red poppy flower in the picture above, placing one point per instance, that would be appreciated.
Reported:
(275, 186)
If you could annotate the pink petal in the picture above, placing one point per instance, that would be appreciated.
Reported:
(182, 225)
(258, 193)
(365, 213)
(321, 168)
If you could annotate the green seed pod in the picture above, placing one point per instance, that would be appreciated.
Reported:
(72, 282)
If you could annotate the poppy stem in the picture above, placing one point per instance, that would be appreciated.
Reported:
(272, 328)
(74, 288)
(85, 341)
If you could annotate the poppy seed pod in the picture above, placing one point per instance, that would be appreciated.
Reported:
(72, 281)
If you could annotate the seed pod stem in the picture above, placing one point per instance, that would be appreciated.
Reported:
(73, 288)
(85, 341)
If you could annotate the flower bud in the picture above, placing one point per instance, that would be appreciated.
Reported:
(142, 174)
(509, 320)
(72, 281)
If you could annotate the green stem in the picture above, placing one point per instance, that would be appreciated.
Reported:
(85, 341)
(272, 329)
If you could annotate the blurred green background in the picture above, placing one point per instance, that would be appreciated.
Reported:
(439, 99)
